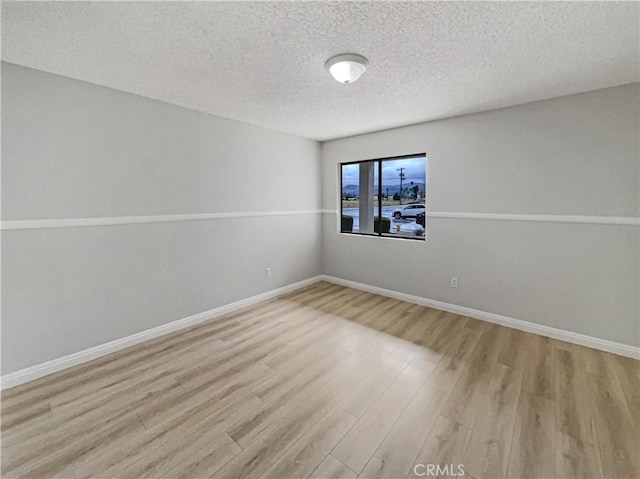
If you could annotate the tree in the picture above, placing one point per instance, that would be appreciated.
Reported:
(396, 197)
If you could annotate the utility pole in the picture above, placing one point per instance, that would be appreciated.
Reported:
(401, 170)
(387, 193)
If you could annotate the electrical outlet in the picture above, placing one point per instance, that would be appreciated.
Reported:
(267, 272)
(454, 282)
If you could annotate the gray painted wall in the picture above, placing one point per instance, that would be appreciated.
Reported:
(576, 155)
(75, 150)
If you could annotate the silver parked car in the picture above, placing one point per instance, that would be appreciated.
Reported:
(409, 211)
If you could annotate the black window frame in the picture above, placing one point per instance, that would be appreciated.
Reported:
(379, 193)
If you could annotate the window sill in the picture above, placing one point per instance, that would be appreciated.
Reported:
(413, 239)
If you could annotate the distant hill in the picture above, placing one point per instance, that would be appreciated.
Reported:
(350, 190)
(353, 190)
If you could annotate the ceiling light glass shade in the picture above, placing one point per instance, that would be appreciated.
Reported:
(347, 68)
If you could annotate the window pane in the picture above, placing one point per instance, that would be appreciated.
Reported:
(359, 197)
(403, 194)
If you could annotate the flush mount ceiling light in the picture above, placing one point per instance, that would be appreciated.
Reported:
(347, 67)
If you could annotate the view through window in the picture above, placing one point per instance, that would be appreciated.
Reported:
(385, 197)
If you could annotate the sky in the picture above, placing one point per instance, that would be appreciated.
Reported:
(415, 170)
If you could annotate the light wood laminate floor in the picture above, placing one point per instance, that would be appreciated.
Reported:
(331, 382)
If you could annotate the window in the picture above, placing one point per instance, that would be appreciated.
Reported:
(384, 197)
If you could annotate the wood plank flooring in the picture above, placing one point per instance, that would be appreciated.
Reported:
(331, 382)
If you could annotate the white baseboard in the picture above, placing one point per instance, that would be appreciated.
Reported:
(548, 331)
(49, 367)
(34, 372)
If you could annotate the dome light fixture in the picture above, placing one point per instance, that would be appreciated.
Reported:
(347, 67)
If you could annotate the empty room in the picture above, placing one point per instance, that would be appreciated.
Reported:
(320, 239)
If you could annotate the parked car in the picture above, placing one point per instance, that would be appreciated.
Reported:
(420, 219)
(409, 211)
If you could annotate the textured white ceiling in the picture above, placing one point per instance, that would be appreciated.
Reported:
(263, 62)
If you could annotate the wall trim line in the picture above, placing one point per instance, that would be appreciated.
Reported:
(576, 219)
(548, 331)
(127, 220)
(8, 225)
(43, 369)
